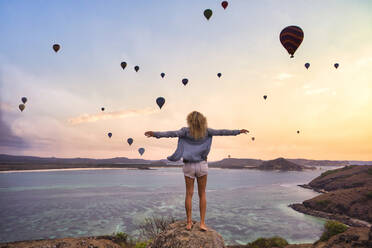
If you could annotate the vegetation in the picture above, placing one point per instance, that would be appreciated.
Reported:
(369, 171)
(323, 203)
(154, 225)
(328, 172)
(268, 242)
(369, 195)
(332, 228)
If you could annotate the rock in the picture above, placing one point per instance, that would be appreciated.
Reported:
(176, 236)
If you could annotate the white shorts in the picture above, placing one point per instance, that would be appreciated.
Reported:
(197, 169)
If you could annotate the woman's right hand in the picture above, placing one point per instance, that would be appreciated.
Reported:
(244, 131)
(149, 134)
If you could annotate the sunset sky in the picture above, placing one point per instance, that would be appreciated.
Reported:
(65, 90)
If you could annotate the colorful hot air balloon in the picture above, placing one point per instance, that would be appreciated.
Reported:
(162, 74)
(123, 65)
(109, 134)
(56, 47)
(336, 65)
(208, 13)
(185, 81)
(130, 141)
(136, 68)
(265, 96)
(160, 101)
(22, 107)
(141, 150)
(307, 65)
(224, 4)
(24, 99)
(291, 38)
(103, 109)
(219, 74)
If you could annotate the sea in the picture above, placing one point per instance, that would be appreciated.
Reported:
(242, 204)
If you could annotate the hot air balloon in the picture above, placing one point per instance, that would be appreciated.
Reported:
(109, 134)
(252, 138)
(224, 4)
(307, 65)
(24, 99)
(265, 96)
(56, 47)
(141, 150)
(208, 13)
(22, 107)
(219, 74)
(136, 68)
(162, 74)
(229, 156)
(336, 65)
(185, 81)
(123, 65)
(298, 131)
(160, 101)
(130, 141)
(291, 38)
(103, 109)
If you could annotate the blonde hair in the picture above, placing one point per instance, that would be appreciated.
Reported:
(197, 124)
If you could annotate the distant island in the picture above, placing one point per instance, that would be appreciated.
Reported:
(13, 162)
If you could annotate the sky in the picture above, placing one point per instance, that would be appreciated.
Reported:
(332, 108)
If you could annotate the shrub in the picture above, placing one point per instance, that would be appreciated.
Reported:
(120, 237)
(154, 225)
(332, 228)
(369, 171)
(142, 244)
(328, 172)
(268, 242)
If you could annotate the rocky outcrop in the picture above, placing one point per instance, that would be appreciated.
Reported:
(176, 236)
(347, 196)
(344, 178)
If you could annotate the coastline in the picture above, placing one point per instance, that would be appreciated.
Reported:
(67, 169)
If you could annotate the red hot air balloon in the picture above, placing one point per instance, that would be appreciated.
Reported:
(291, 38)
(56, 47)
(224, 4)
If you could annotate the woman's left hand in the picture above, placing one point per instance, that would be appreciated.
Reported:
(149, 134)
(244, 131)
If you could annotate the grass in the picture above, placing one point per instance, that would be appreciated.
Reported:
(332, 228)
(275, 241)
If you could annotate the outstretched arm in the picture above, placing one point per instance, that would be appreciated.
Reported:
(167, 134)
(225, 132)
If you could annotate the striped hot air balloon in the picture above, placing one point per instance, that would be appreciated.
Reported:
(291, 38)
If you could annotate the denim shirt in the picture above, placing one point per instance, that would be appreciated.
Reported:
(190, 149)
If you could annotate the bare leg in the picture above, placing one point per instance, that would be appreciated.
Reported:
(188, 200)
(202, 183)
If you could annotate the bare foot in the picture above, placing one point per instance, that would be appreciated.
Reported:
(188, 226)
(203, 227)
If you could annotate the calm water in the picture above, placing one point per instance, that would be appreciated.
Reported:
(241, 204)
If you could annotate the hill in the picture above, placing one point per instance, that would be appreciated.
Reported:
(282, 165)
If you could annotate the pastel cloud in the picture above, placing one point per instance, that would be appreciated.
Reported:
(84, 118)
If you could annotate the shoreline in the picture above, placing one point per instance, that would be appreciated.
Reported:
(67, 169)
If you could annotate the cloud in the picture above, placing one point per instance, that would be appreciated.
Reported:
(283, 76)
(109, 115)
(8, 140)
(316, 91)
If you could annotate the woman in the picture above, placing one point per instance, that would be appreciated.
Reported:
(194, 143)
